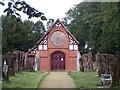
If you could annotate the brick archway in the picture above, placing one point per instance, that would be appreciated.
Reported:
(58, 61)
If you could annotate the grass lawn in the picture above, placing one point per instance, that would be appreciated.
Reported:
(85, 79)
(0, 86)
(25, 80)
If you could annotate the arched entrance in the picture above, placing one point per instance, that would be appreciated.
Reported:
(58, 61)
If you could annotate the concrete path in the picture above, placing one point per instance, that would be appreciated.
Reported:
(58, 80)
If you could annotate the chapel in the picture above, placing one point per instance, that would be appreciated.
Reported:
(56, 50)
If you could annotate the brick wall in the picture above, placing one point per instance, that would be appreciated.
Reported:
(70, 56)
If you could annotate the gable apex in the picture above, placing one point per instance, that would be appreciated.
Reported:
(57, 23)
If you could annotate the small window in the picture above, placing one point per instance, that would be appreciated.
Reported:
(45, 47)
(70, 47)
(75, 47)
(40, 47)
(33, 51)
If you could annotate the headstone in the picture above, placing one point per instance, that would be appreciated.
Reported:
(5, 71)
(5, 68)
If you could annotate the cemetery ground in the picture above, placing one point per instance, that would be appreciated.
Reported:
(89, 80)
(25, 80)
(34, 79)
(85, 79)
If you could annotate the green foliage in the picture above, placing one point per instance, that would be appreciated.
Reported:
(25, 80)
(98, 24)
(15, 6)
(0, 35)
(50, 22)
(85, 79)
(110, 28)
(18, 35)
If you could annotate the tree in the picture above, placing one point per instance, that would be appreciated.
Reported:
(98, 24)
(15, 6)
(110, 42)
(0, 35)
(20, 35)
(50, 22)
(77, 25)
(36, 31)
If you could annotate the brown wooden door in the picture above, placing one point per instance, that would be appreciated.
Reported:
(58, 61)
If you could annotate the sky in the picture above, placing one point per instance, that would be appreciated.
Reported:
(51, 8)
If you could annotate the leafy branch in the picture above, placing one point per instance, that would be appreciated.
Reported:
(15, 6)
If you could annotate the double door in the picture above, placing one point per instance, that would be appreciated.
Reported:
(58, 61)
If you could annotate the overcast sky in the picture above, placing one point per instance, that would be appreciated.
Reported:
(51, 8)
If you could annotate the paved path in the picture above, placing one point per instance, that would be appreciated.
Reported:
(58, 80)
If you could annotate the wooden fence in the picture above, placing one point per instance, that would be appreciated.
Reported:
(87, 62)
(109, 64)
(13, 62)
